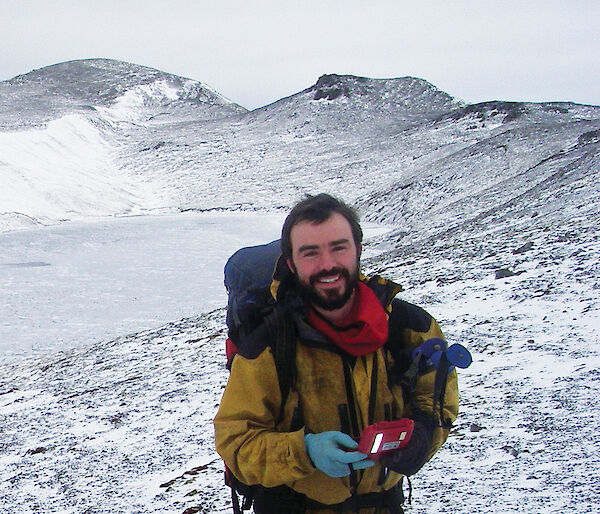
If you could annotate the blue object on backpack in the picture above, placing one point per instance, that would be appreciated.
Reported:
(459, 356)
(248, 273)
(433, 349)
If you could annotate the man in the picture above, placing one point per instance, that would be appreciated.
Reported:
(352, 358)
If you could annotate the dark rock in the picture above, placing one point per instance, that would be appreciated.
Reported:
(525, 248)
(589, 137)
(514, 114)
(509, 449)
(328, 80)
(330, 93)
(197, 469)
(168, 484)
(503, 273)
(36, 451)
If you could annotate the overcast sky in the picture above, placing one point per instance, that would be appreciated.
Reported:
(256, 52)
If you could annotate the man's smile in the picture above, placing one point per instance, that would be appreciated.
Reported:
(329, 280)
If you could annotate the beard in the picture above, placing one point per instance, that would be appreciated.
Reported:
(332, 299)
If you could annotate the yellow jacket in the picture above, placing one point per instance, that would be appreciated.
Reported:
(332, 391)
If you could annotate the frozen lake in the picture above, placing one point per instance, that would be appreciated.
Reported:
(83, 282)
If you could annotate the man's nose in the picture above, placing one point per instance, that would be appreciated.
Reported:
(327, 261)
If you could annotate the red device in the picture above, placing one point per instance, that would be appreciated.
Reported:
(385, 437)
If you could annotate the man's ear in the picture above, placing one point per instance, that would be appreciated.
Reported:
(290, 265)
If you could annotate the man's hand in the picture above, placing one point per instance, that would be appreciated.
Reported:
(410, 459)
(331, 452)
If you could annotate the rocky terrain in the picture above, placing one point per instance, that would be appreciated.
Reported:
(492, 217)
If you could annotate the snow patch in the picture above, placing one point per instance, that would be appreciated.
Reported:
(65, 170)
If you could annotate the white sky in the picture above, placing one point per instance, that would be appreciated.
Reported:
(255, 52)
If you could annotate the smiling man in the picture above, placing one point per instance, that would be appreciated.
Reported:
(324, 258)
(350, 366)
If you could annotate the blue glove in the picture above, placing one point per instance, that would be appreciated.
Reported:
(326, 450)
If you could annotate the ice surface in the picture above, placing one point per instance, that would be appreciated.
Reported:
(83, 282)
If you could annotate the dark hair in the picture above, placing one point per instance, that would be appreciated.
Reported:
(318, 209)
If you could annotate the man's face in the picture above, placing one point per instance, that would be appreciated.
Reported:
(325, 261)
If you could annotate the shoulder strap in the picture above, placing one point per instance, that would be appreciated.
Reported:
(282, 332)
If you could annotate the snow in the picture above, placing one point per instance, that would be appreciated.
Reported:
(125, 424)
(61, 170)
(82, 282)
(130, 106)
(113, 359)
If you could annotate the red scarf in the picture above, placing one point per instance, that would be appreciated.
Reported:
(363, 331)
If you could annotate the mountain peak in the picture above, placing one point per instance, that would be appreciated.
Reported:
(349, 99)
(406, 95)
(53, 91)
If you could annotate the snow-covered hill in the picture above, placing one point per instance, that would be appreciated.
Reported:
(494, 212)
(64, 131)
(49, 93)
(104, 137)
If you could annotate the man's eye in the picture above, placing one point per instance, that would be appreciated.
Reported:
(339, 248)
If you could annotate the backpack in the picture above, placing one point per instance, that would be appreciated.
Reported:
(248, 274)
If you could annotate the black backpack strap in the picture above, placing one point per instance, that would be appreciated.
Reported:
(282, 332)
(277, 331)
(441, 378)
(239, 489)
(235, 502)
